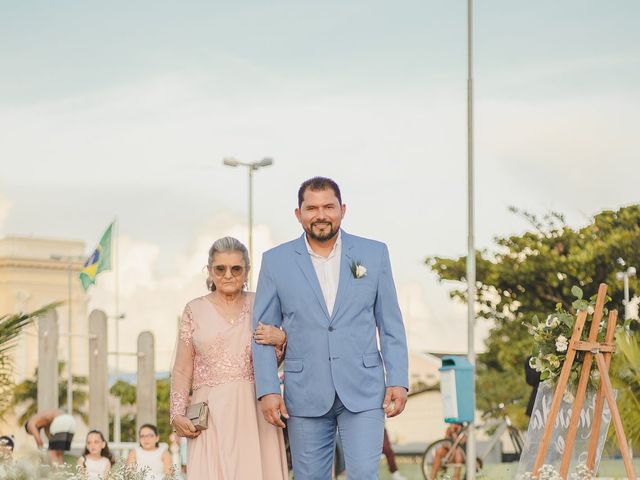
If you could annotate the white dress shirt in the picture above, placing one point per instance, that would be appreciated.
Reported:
(328, 271)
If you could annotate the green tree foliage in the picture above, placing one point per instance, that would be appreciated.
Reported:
(530, 274)
(25, 394)
(127, 394)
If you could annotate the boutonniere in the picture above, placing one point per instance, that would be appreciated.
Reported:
(357, 269)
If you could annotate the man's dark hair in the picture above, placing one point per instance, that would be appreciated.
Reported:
(318, 183)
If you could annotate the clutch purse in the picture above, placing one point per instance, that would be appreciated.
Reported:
(198, 413)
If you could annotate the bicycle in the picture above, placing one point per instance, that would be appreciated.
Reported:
(448, 455)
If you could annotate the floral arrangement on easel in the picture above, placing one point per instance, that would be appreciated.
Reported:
(547, 472)
(552, 335)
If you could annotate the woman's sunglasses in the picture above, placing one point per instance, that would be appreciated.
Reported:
(221, 270)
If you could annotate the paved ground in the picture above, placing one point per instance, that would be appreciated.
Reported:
(609, 469)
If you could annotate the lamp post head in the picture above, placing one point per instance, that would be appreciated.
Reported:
(265, 162)
(230, 162)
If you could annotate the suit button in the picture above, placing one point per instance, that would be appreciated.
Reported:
(331, 329)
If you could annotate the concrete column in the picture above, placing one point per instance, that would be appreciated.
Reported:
(48, 361)
(98, 372)
(146, 384)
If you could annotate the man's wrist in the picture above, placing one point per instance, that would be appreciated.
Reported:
(398, 386)
(266, 395)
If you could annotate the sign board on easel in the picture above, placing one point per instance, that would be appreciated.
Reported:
(557, 446)
(601, 353)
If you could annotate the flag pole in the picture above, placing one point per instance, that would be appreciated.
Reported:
(116, 267)
(69, 341)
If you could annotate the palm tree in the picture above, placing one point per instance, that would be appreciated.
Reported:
(26, 393)
(10, 328)
(626, 377)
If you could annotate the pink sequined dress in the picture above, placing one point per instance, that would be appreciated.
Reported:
(213, 358)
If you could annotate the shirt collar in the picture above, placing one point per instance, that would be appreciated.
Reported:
(336, 247)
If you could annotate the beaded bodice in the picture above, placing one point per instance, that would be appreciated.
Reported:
(211, 350)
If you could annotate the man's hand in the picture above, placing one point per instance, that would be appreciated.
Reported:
(394, 401)
(184, 427)
(272, 406)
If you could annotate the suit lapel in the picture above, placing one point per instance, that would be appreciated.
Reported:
(344, 284)
(304, 262)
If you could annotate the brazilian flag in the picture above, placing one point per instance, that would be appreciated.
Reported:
(98, 261)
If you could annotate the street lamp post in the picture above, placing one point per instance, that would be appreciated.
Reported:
(251, 167)
(471, 249)
(624, 276)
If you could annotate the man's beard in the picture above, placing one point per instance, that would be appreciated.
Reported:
(323, 237)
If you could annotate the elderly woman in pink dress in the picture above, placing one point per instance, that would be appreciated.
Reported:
(214, 362)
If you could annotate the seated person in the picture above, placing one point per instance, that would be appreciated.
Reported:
(457, 458)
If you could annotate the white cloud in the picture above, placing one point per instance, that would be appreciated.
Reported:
(434, 323)
(5, 208)
(560, 150)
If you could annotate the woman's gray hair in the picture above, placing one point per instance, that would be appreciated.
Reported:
(227, 244)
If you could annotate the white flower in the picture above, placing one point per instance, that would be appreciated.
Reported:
(536, 363)
(590, 310)
(361, 271)
(552, 321)
(562, 343)
(553, 360)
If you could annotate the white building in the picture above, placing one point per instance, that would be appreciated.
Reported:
(35, 272)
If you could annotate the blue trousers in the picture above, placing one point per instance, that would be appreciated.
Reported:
(312, 441)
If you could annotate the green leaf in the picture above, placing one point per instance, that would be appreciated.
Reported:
(580, 304)
(577, 292)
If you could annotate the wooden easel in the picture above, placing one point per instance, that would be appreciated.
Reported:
(602, 354)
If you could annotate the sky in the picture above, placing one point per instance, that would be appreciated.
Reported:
(126, 109)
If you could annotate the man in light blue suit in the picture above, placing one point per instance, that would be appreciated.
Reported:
(333, 294)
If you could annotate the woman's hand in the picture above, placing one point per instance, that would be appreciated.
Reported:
(184, 428)
(270, 335)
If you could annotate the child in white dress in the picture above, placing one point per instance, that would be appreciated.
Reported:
(96, 460)
(150, 456)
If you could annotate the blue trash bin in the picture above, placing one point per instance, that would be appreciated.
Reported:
(456, 386)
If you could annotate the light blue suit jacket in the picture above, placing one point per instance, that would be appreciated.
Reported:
(328, 353)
